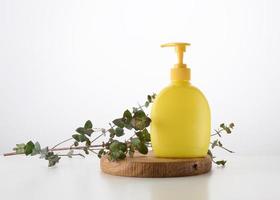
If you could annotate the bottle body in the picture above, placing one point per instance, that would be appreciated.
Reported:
(181, 122)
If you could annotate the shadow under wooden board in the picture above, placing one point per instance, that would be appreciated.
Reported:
(150, 166)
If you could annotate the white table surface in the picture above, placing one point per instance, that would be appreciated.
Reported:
(77, 178)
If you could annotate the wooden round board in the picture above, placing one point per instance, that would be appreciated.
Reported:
(150, 166)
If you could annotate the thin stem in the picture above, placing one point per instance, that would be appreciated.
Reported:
(112, 126)
(61, 143)
(141, 107)
(98, 137)
(57, 149)
(230, 151)
(11, 154)
(218, 133)
(75, 154)
(79, 147)
(92, 151)
(97, 129)
(95, 149)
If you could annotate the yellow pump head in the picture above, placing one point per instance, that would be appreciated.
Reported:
(180, 72)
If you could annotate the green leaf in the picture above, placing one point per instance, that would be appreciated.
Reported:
(119, 131)
(88, 124)
(37, 146)
(88, 132)
(76, 143)
(144, 135)
(221, 162)
(101, 152)
(148, 121)
(222, 125)
(225, 128)
(140, 120)
(86, 150)
(28, 148)
(81, 130)
(123, 147)
(44, 152)
(214, 144)
(228, 130)
(76, 137)
(112, 132)
(116, 145)
(52, 158)
(19, 148)
(88, 143)
(140, 114)
(128, 126)
(83, 138)
(49, 154)
(119, 122)
(70, 153)
(37, 149)
(117, 155)
(147, 104)
(142, 148)
(22, 145)
(138, 123)
(210, 153)
(117, 150)
(135, 141)
(80, 138)
(149, 97)
(127, 116)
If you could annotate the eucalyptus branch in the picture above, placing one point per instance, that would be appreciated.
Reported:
(85, 139)
(217, 143)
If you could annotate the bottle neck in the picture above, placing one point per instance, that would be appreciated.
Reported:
(180, 73)
(180, 82)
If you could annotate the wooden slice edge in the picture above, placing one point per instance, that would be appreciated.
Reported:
(153, 167)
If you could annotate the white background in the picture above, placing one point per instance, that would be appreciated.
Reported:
(63, 62)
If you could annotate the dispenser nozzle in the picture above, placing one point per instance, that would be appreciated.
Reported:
(180, 71)
(180, 48)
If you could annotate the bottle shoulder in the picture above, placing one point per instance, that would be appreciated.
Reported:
(180, 98)
(186, 89)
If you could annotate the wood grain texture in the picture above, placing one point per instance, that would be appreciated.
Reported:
(150, 166)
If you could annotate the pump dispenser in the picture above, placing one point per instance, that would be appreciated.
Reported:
(180, 70)
(180, 115)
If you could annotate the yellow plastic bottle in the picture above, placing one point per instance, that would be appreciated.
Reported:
(180, 115)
